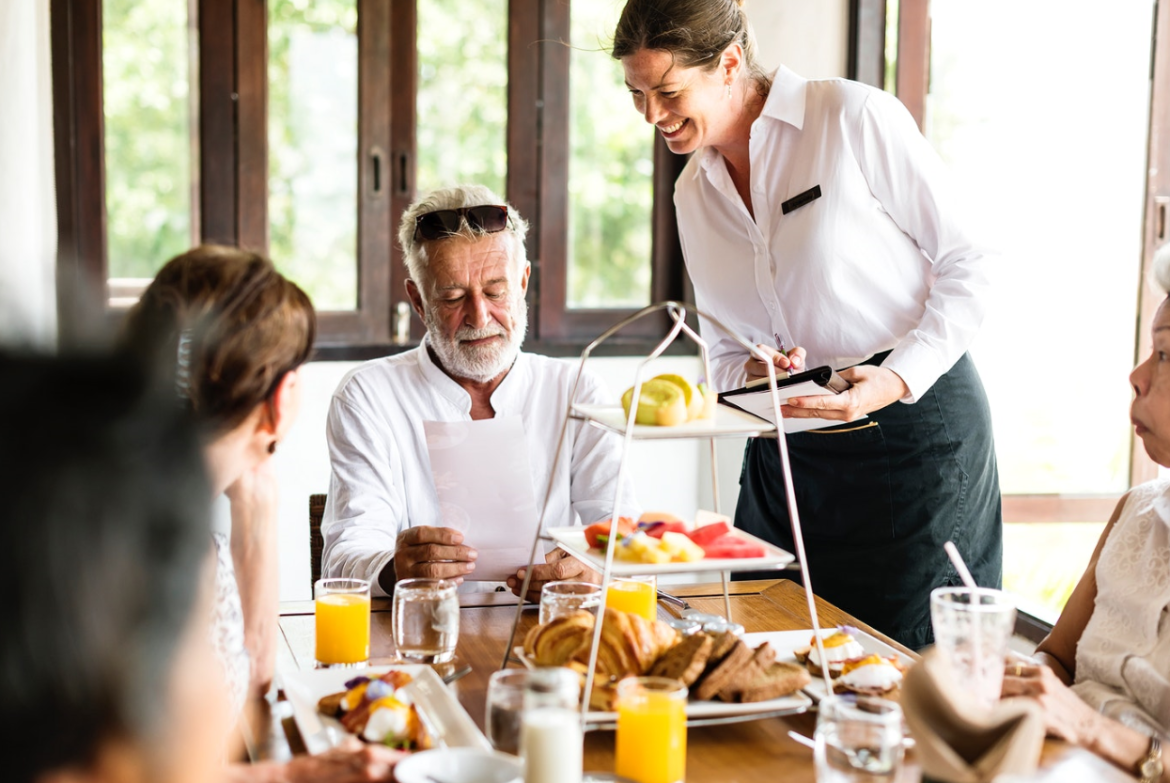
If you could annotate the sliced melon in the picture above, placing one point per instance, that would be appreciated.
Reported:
(661, 403)
(693, 397)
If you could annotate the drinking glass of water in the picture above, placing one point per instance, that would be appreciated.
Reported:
(971, 632)
(560, 598)
(858, 740)
(426, 620)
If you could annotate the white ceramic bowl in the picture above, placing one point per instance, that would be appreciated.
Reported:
(459, 765)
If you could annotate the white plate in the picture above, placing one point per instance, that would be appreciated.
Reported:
(459, 765)
(708, 710)
(451, 724)
(784, 642)
(727, 421)
(572, 540)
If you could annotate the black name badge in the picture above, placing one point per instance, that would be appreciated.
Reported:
(798, 201)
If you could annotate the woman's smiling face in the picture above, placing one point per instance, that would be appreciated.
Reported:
(689, 106)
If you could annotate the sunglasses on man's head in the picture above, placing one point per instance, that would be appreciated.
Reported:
(443, 222)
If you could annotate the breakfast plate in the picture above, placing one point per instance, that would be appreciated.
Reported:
(572, 540)
(726, 422)
(443, 714)
(786, 642)
(705, 713)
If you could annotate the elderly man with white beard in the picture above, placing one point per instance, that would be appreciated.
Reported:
(464, 250)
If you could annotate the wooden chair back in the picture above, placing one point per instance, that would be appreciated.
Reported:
(316, 540)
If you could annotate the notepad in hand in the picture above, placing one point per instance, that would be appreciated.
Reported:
(756, 397)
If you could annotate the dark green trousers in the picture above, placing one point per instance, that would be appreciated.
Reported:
(877, 503)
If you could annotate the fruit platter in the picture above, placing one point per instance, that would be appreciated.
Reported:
(660, 543)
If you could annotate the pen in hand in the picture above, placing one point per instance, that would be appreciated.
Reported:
(792, 360)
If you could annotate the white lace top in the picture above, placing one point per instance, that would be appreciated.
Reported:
(1123, 658)
(227, 624)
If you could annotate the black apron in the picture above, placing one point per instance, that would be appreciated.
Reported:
(879, 498)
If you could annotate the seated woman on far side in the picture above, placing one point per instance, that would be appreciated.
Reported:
(107, 674)
(1105, 682)
(233, 332)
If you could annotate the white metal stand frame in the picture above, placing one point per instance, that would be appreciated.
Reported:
(678, 313)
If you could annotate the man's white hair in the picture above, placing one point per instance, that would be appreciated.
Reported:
(1160, 269)
(415, 253)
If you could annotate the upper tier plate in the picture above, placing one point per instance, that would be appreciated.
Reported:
(726, 422)
(572, 540)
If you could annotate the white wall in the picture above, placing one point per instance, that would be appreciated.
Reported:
(809, 36)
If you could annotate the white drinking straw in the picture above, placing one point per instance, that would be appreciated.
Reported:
(960, 566)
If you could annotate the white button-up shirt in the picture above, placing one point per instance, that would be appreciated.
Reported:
(878, 262)
(381, 480)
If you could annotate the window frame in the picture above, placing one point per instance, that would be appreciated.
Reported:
(232, 203)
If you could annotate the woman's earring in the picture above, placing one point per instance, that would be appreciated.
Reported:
(272, 447)
(729, 89)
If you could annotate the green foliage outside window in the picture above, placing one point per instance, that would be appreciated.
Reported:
(462, 94)
(146, 90)
(610, 172)
(312, 147)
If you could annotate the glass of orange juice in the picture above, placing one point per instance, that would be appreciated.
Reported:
(634, 594)
(652, 730)
(343, 622)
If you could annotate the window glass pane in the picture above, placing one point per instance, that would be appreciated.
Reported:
(1043, 561)
(891, 73)
(462, 94)
(611, 169)
(149, 137)
(1050, 158)
(312, 147)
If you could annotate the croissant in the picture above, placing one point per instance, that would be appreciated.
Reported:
(555, 642)
(629, 644)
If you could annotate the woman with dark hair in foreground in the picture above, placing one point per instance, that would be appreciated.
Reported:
(106, 673)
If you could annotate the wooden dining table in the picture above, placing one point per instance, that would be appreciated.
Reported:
(762, 750)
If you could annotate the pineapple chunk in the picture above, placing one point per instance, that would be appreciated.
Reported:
(641, 548)
(681, 548)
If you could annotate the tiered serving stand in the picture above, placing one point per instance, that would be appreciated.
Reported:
(727, 422)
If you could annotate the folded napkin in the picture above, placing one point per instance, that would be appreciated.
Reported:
(957, 740)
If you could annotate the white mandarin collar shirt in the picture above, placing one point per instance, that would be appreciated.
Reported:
(877, 263)
(381, 480)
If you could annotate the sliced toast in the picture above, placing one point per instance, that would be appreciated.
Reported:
(779, 678)
(686, 660)
(718, 678)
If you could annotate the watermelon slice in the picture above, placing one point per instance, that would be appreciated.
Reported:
(732, 546)
(708, 533)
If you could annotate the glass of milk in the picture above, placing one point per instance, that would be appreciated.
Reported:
(550, 727)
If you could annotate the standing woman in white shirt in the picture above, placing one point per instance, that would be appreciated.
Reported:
(812, 214)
